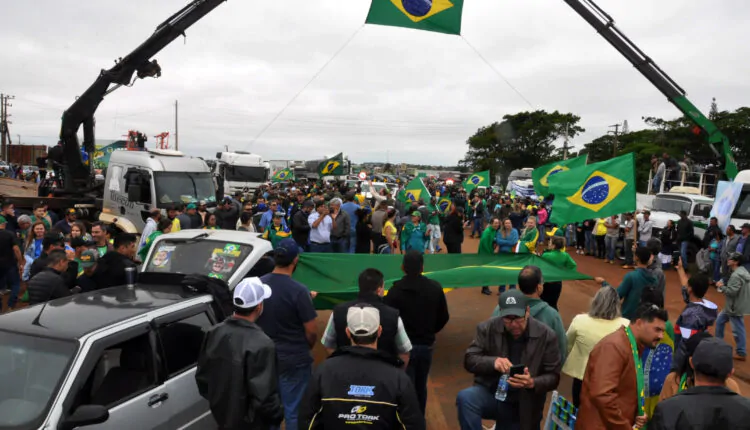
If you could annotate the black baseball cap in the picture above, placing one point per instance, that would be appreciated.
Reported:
(713, 357)
(79, 241)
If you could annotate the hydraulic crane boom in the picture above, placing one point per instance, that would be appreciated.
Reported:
(78, 176)
(605, 25)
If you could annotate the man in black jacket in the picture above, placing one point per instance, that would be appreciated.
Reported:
(709, 404)
(361, 385)
(236, 370)
(393, 341)
(424, 310)
(227, 214)
(300, 225)
(685, 234)
(49, 284)
(52, 242)
(110, 269)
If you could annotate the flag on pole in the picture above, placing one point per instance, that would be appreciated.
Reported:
(478, 179)
(541, 174)
(333, 166)
(442, 16)
(594, 191)
(414, 191)
(445, 205)
(283, 175)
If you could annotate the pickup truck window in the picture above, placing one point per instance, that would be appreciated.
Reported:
(31, 373)
(181, 342)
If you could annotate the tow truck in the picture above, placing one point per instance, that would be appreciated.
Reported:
(136, 180)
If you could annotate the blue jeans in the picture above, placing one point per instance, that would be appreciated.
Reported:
(542, 237)
(684, 252)
(340, 246)
(609, 243)
(418, 370)
(321, 247)
(570, 236)
(292, 386)
(716, 263)
(501, 289)
(477, 403)
(738, 330)
(656, 182)
(12, 279)
(352, 242)
(477, 226)
(590, 245)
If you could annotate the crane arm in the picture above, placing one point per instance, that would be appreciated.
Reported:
(605, 26)
(138, 62)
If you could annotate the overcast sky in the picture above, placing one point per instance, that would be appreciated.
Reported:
(406, 95)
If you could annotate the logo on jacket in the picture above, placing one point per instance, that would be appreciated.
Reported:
(510, 301)
(359, 409)
(361, 390)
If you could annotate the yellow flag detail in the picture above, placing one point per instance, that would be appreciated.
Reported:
(331, 166)
(557, 169)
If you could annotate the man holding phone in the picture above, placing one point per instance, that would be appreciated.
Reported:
(513, 347)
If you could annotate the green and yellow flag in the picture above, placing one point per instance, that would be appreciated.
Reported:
(283, 175)
(594, 191)
(442, 16)
(445, 205)
(414, 191)
(333, 166)
(541, 174)
(479, 179)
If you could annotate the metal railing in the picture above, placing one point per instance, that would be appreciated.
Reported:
(704, 182)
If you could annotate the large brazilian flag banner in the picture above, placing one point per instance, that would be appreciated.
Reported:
(442, 16)
(334, 276)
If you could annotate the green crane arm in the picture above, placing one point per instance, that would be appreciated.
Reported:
(605, 26)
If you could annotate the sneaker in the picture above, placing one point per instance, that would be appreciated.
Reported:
(486, 291)
(740, 357)
(611, 261)
(625, 266)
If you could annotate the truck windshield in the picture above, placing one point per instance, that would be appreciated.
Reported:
(32, 371)
(183, 187)
(670, 205)
(742, 210)
(246, 173)
(206, 257)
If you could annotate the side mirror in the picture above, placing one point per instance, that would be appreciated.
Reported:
(86, 415)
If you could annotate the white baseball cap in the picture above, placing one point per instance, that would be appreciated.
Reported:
(363, 320)
(250, 292)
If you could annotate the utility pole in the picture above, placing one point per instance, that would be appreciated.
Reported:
(176, 133)
(4, 129)
(616, 133)
(565, 143)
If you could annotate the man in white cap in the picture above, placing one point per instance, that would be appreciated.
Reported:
(363, 387)
(237, 365)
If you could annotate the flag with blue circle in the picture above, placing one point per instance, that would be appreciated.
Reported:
(478, 179)
(540, 176)
(445, 205)
(442, 16)
(414, 191)
(594, 191)
(283, 175)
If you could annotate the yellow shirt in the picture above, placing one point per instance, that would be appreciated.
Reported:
(176, 225)
(583, 334)
(389, 226)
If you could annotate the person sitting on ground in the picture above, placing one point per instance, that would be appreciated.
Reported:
(514, 338)
(634, 283)
(709, 404)
(49, 284)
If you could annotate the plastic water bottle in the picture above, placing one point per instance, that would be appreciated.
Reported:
(502, 388)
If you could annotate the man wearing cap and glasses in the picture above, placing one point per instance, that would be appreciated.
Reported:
(236, 370)
(512, 339)
(709, 404)
(360, 386)
(289, 321)
(737, 292)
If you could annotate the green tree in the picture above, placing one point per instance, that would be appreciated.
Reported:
(525, 139)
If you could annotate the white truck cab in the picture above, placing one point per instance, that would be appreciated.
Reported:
(741, 214)
(137, 181)
(667, 206)
(242, 171)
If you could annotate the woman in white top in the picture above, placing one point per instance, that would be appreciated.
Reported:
(587, 330)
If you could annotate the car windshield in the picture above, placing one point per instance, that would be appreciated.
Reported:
(31, 373)
(670, 205)
(183, 187)
(742, 210)
(206, 257)
(246, 174)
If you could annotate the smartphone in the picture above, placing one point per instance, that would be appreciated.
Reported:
(676, 258)
(517, 369)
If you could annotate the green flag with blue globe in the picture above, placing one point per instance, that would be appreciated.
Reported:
(594, 191)
(478, 179)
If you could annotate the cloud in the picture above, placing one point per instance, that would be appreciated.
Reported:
(391, 93)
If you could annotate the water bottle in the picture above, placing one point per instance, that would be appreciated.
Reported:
(502, 388)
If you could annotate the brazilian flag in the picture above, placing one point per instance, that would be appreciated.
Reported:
(442, 16)
(414, 191)
(445, 205)
(541, 174)
(478, 179)
(596, 190)
(333, 166)
(283, 175)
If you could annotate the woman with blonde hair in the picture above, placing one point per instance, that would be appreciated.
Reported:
(587, 330)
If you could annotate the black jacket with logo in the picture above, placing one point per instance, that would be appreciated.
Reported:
(704, 408)
(360, 388)
(237, 375)
(422, 306)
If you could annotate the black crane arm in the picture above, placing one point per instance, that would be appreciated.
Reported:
(81, 113)
(605, 26)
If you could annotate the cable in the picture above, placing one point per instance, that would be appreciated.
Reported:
(497, 72)
(273, 120)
